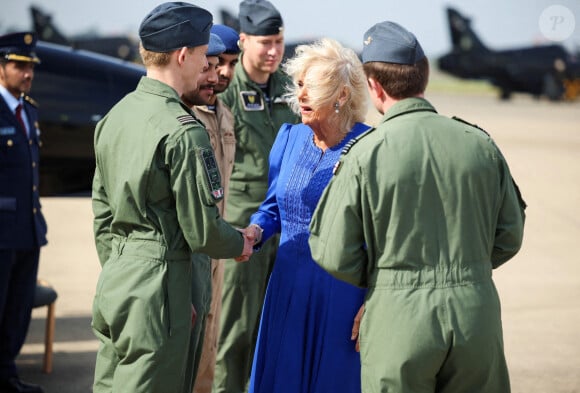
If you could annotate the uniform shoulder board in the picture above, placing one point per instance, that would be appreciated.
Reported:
(31, 101)
(353, 142)
(470, 124)
(186, 119)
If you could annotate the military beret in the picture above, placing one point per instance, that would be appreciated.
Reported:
(175, 25)
(388, 42)
(216, 46)
(229, 37)
(260, 17)
(19, 47)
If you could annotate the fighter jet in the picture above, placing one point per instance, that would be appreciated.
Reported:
(74, 89)
(547, 70)
(121, 46)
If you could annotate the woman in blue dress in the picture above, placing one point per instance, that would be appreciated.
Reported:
(304, 341)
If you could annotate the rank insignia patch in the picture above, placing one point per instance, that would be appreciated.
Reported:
(213, 174)
(186, 119)
(336, 167)
(251, 101)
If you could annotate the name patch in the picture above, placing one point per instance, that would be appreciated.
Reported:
(7, 130)
(251, 101)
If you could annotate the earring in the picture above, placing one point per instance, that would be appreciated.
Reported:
(336, 107)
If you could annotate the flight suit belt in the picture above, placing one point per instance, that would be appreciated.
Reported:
(430, 277)
(147, 249)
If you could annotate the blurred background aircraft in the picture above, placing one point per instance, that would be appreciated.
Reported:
(75, 88)
(122, 46)
(548, 70)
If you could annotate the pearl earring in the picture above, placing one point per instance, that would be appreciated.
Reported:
(336, 107)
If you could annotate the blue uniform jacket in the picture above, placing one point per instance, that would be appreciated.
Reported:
(21, 222)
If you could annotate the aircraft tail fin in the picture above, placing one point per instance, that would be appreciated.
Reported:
(229, 19)
(45, 29)
(463, 37)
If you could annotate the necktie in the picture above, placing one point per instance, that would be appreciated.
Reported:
(19, 118)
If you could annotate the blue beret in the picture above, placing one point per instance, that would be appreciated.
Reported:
(173, 25)
(216, 46)
(19, 47)
(229, 37)
(388, 42)
(260, 17)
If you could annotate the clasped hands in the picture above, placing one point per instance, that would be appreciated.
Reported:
(252, 235)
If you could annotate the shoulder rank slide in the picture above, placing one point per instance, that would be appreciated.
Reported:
(353, 141)
(213, 174)
(30, 100)
(469, 124)
(186, 119)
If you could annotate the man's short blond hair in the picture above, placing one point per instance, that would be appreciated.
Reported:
(154, 58)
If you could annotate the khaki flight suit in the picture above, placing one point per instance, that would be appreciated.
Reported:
(155, 191)
(420, 210)
(256, 125)
(206, 295)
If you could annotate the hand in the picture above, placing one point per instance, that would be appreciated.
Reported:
(254, 233)
(356, 326)
(247, 250)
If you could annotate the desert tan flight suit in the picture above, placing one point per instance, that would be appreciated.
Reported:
(206, 296)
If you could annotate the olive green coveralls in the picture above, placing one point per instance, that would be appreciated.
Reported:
(420, 210)
(256, 125)
(155, 190)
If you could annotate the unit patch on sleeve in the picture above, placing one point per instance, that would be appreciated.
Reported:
(213, 174)
(251, 101)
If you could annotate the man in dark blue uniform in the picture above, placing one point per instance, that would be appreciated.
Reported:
(22, 226)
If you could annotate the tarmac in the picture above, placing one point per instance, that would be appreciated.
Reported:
(539, 288)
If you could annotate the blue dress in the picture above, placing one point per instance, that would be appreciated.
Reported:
(304, 340)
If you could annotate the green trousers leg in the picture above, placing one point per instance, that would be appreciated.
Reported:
(426, 340)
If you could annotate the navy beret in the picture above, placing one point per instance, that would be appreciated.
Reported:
(216, 46)
(229, 37)
(173, 25)
(19, 47)
(388, 42)
(260, 17)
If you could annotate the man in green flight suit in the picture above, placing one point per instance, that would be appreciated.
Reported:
(420, 210)
(256, 99)
(155, 191)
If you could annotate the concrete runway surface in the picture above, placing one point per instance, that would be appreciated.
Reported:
(539, 288)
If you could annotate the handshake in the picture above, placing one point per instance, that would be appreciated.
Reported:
(252, 235)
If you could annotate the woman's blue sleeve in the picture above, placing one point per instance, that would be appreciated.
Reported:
(268, 215)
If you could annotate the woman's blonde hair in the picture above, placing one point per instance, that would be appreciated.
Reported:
(338, 70)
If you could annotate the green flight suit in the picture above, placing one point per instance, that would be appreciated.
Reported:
(256, 124)
(155, 190)
(420, 210)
